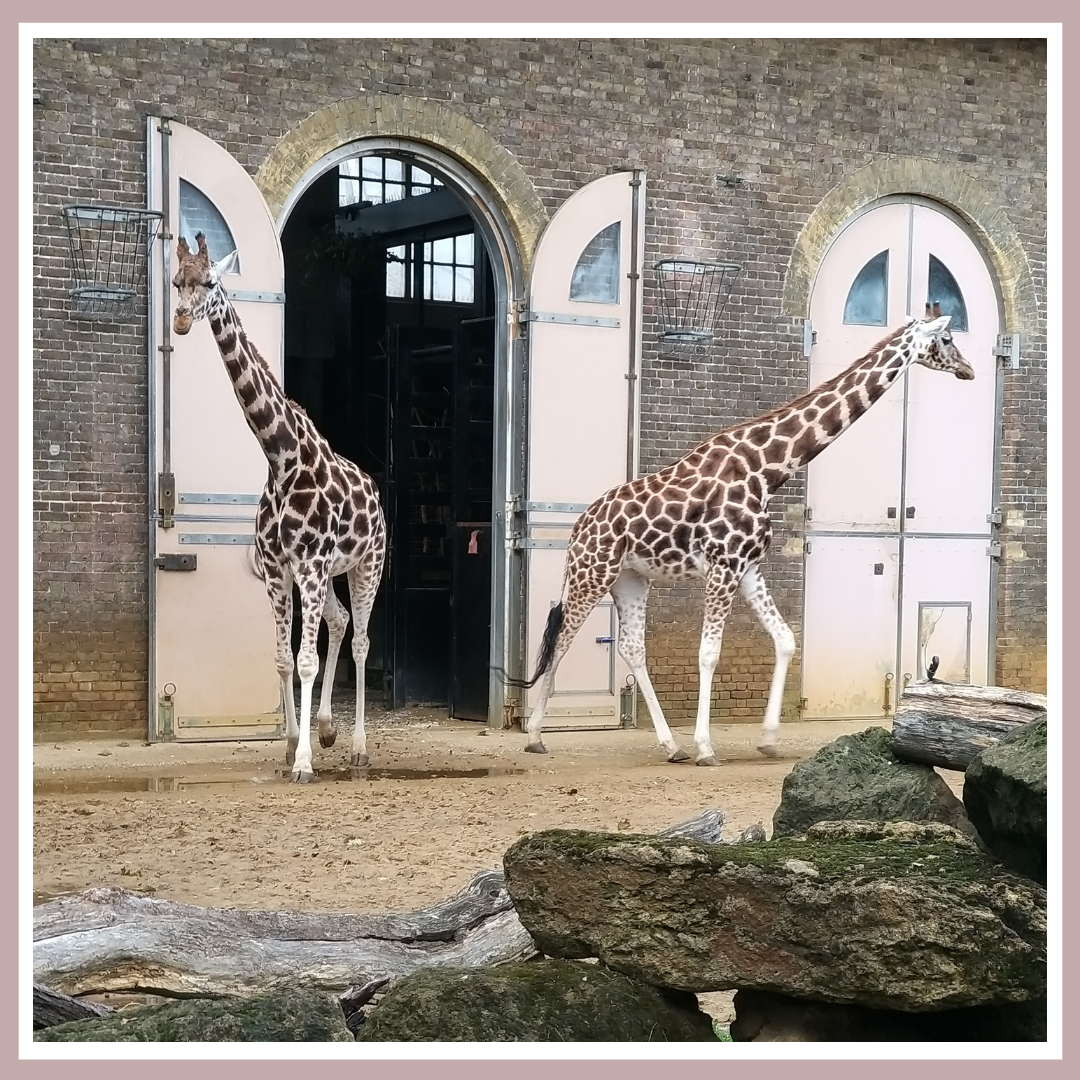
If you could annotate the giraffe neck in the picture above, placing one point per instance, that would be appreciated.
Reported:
(272, 417)
(780, 443)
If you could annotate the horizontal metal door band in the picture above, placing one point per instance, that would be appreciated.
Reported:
(520, 542)
(194, 518)
(568, 320)
(256, 296)
(570, 710)
(531, 507)
(224, 497)
(878, 535)
(216, 538)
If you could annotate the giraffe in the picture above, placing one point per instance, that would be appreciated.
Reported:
(318, 517)
(706, 516)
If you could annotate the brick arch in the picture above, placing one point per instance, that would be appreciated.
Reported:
(401, 117)
(934, 180)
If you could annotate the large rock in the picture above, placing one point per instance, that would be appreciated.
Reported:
(292, 1015)
(764, 1017)
(899, 916)
(1005, 796)
(858, 778)
(539, 1001)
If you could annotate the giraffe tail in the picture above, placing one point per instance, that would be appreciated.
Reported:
(547, 649)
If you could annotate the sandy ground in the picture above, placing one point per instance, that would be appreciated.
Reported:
(219, 824)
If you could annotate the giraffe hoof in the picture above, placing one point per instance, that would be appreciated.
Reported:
(303, 776)
(679, 755)
(328, 738)
(536, 748)
(710, 760)
(768, 750)
(358, 761)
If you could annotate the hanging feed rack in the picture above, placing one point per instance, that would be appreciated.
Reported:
(110, 247)
(692, 297)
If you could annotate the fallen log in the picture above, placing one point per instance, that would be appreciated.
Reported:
(111, 940)
(950, 724)
(51, 1008)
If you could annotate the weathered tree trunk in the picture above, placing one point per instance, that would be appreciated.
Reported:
(108, 939)
(949, 724)
(51, 1008)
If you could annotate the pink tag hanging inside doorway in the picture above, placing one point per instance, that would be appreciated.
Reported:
(473, 549)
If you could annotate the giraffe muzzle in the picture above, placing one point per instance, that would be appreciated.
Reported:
(181, 323)
(964, 370)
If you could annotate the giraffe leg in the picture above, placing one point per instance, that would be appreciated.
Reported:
(337, 619)
(720, 588)
(313, 581)
(757, 596)
(363, 584)
(577, 604)
(279, 584)
(630, 593)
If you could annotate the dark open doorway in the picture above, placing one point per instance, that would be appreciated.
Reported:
(389, 346)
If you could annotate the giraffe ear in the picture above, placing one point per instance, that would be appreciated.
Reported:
(229, 265)
(938, 326)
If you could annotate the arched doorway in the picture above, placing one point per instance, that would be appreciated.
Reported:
(392, 345)
(899, 563)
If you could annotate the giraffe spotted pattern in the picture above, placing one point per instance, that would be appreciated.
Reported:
(318, 516)
(706, 517)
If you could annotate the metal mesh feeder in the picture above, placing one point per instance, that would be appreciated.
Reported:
(110, 247)
(692, 297)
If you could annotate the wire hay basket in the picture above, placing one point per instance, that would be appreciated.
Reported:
(692, 297)
(110, 248)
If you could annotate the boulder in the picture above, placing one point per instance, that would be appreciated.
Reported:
(290, 1015)
(765, 1017)
(859, 778)
(537, 1001)
(896, 915)
(1005, 797)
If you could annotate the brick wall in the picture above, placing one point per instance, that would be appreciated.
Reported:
(790, 119)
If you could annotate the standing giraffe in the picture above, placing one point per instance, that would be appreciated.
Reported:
(707, 517)
(319, 515)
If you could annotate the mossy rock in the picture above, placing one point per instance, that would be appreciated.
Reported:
(859, 778)
(1005, 796)
(292, 1015)
(538, 1001)
(897, 915)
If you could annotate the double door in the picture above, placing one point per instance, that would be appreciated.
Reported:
(899, 553)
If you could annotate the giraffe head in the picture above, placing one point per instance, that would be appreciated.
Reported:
(196, 280)
(933, 344)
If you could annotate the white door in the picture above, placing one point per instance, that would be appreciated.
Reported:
(584, 319)
(213, 632)
(897, 561)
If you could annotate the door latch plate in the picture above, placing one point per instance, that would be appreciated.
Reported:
(176, 561)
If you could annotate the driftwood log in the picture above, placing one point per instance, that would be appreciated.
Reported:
(109, 939)
(52, 1008)
(949, 724)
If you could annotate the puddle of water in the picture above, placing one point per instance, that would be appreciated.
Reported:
(122, 784)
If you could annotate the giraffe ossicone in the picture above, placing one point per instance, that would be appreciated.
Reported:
(706, 517)
(318, 516)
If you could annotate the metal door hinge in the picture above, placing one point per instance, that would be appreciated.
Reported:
(809, 337)
(808, 513)
(807, 547)
(994, 550)
(994, 517)
(1007, 349)
(176, 561)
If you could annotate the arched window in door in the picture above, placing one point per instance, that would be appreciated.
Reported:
(596, 275)
(199, 215)
(868, 298)
(941, 288)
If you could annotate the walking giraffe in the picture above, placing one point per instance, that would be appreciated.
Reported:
(707, 517)
(319, 515)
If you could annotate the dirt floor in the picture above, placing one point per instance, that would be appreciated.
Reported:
(219, 824)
